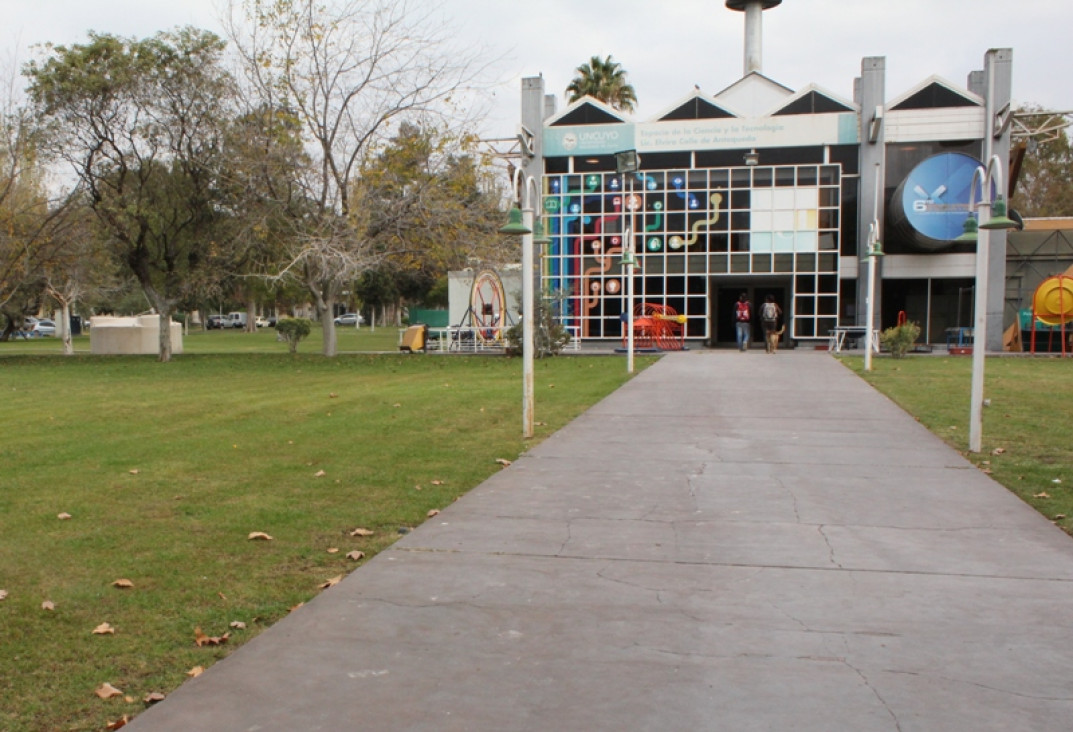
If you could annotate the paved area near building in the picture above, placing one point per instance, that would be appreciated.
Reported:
(729, 542)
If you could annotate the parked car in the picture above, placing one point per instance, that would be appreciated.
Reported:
(43, 327)
(215, 322)
(236, 320)
(350, 319)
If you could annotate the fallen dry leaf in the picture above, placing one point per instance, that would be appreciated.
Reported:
(296, 607)
(1042, 494)
(434, 512)
(260, 535)
(439, 482)
(48, 605)
(998, 451)
(333, 550)
(362, 532)
(135, 471)
(3, 594)
(195, 671)
(119, 723)
(128, 699)
(396, 405)
(356, 555)
(222, 596)
(319, 474)
(107, 691)
(505, 463)
(104, 629)
(238, 625)
(1059, 516)
(331, 583)
(153, 697)
(63, 516)
(200, 639)
(332, 395)
(123, 584)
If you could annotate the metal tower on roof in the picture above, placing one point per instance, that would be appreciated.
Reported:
(753, 30)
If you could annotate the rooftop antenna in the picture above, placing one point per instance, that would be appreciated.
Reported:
(754, 30)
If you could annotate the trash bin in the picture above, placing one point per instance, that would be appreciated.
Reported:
(76, 325)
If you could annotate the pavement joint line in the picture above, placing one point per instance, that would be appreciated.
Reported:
(736, 565)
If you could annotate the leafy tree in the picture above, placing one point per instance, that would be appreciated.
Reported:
(29, 217)
(263, 159)
(139, 122)
(348, 73)
(1045, 186)
(605, 80)
(436, 210)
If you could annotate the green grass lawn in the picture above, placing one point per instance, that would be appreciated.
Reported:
(348, 340)
(166, 469)
(1027, 429)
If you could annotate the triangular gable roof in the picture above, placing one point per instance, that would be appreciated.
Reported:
(935, 92)
(753, 94)
(587, 111)
(696, 105)
(753, 78)
(814, 100)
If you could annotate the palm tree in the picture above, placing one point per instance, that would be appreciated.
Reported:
(605, 80)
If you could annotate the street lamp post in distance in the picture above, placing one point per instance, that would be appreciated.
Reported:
(626, 163)
(978, 230)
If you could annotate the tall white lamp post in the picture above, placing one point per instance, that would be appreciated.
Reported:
(521, 223)
(875, 249)
(979, 231)
(627, 162)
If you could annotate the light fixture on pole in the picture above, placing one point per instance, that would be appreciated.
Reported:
(521, 224)
(626, 163)
(752, 158)
(875, 249)
(979, 230)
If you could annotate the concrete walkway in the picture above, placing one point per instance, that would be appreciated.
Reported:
(729, 542)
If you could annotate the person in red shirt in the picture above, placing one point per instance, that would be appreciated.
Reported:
(743, 317)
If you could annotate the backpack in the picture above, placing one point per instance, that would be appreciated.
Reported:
(741, 312)
(769, 311)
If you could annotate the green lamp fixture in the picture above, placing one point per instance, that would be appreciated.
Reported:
(514, 225)
(969, 235)
(999, 219)
(539, 237)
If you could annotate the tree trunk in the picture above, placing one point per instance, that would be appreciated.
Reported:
(65, 325)
(327, 322)
(165, 337)
(251, 316)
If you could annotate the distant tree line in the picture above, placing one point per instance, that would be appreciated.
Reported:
(317, 156)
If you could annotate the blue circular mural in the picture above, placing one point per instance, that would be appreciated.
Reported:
(934, 197)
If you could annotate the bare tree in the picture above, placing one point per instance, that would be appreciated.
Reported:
(349, 71)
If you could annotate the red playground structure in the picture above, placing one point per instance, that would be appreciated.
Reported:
(657, 326)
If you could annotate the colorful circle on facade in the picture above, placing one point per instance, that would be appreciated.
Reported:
(675, 242)
(634, 202)
(654, 244)
(594, 286)
(934, 197)
(657, 205)
(615, 241)
(551, 205)
(612, 287)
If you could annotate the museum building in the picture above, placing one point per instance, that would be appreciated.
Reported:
(767, 190)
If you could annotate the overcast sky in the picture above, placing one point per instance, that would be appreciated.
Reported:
(666, 47)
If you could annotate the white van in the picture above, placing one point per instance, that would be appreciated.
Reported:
(236, 320)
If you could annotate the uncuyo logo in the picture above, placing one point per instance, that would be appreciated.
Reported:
(569, 141)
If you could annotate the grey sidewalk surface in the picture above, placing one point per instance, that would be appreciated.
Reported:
(729, 542)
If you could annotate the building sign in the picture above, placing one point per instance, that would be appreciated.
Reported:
(702, 134)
